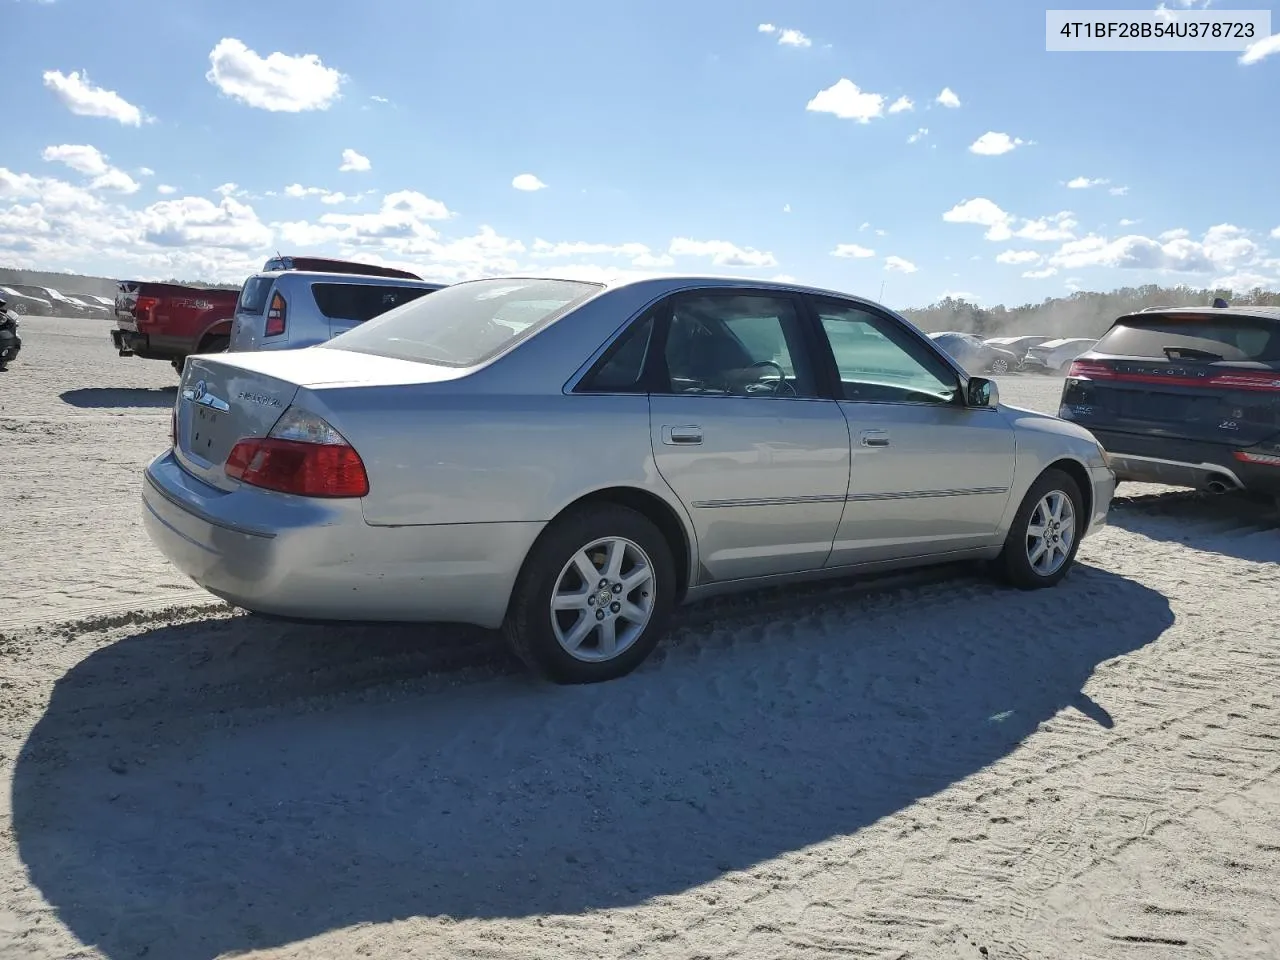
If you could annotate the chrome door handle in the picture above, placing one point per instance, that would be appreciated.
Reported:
(875, 438)
(682, 436)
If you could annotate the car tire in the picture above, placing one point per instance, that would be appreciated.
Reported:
(20, 309)
(1015, 564)
(214, 345)
(999, 366)
(543, 636)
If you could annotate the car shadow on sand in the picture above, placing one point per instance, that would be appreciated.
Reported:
(181, 797)
(1232, 524)
(101, 397)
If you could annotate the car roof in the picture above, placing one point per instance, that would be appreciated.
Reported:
(1259, 312)
(1064, 340)
(314, 275)
(665, 283)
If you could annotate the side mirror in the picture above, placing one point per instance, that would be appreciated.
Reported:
(981, 392)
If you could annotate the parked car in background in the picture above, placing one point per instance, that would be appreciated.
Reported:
(10, 342)
(1188, 396)
(26, 303)
(90, 306)
(292, 308)
(60, 304)
(1055, 356)
(975, 355)
(1018, 346)
(569, 460)
(170, 321)
(333, 265)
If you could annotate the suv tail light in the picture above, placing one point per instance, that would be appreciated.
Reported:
(1087, 370)
(302, 455)
(276, 316)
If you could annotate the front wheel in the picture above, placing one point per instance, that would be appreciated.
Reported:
(999, 365)
(593, 597)
(1045, 535)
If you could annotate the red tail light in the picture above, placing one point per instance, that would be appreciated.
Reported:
(142, 308)
(1087, 370)
(302, 455)
(275, 316)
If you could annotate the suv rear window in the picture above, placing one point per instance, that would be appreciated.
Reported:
(253, 296)
(361, 301)
(1229, 337)
(466, 323)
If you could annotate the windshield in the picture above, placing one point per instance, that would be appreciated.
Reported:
(1229, 337)
(466, 324)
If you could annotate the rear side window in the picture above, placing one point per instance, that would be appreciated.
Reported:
(361, 301)
(253, 296)
(1202, 337)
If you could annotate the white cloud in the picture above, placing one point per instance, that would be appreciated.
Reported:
(638, 253)
(1118, 191)
(992, 144)
(230, 190)
(166, 189)
(89, 160)
(298, 190)
(1018, 257)
(1001, 225)
(852, 251)
(353, 162)
(527, 182)
(845, 100)
(1084, 183)
(377, 99)
(766, 28)
(1180, 233)
(1223, 247)
(278, 82)
(722, 253)
(947, 98)
(1260, 49)
(198, 222)
(1126, 222)
(864, 226)
(1040, 274)
(794, 38)
(146, 172)
(918, 135)
(81, 158)
(1276, 233)
(899, 265)
(1244, 280)
(786, 208)
(84, 99)
(902, 103)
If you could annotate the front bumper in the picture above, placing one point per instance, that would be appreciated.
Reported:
(318, 560)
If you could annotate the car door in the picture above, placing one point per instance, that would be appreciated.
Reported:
(741, 434)
(928, 475)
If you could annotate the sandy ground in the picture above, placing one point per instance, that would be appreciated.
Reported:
(923, 767)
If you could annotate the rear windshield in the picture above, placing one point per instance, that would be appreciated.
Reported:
(253, 296)
(466, 324)
(361, 301)
(1229, 337)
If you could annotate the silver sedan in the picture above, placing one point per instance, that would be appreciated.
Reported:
(567, 461)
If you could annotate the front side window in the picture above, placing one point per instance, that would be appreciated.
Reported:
(744, 345)
(467, 323)
(880, 363)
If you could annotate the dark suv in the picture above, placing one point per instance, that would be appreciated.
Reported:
(1188, 396)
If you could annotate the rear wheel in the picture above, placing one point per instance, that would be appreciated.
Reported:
(214, 344)
(593, 597)
(999, 365)
(1045, 534)
(20, 308)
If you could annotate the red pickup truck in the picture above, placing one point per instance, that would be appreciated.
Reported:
(169, 321)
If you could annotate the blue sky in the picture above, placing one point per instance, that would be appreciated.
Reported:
(658, 135)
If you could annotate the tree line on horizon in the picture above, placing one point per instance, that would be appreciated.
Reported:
(1084, 313)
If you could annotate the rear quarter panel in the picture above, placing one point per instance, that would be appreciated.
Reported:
(468, 457)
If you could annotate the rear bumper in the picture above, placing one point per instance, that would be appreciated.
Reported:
(130, 343)
(319, 560)
(1185, 463)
